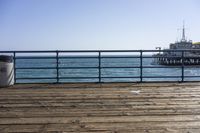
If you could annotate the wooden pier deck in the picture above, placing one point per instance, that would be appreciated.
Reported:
(100, 108)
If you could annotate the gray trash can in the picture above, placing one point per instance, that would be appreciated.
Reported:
(6, 70)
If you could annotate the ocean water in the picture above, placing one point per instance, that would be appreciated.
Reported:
(70, 71)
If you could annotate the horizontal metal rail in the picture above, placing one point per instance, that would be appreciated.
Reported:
(104, 65)
(96, 51)
(101, 67)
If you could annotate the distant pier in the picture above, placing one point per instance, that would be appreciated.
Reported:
(183, 52)
(176, 60)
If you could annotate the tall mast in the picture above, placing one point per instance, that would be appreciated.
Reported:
(183, 32)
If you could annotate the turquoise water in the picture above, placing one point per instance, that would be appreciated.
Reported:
(84, 75)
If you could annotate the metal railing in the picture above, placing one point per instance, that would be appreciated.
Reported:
(105, 66)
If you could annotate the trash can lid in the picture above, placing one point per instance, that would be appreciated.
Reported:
(6, 58)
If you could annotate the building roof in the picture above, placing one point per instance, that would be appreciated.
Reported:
(196, 43)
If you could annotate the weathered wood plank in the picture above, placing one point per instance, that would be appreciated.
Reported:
(100, 108)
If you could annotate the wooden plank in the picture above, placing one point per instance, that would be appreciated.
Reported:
(106, 127)
(100, 108)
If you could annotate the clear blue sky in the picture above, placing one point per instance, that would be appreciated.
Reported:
(95, 24)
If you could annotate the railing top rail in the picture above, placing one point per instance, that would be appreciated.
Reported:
(53, 51)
